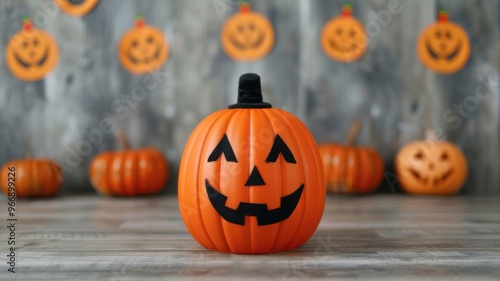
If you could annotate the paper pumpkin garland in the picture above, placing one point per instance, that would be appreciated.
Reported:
(251, 178)
(343, 38)
(31, 53)
(247, 36)
(77, 8)
(143, 49)
(444, 46)
(431, 167)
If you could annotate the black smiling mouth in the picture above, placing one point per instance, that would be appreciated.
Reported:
(334, 45)
(76, 2)
(435, 56)
(28, 65)
(436, 180)
(146, 60)
(264, 216)
(240, 46)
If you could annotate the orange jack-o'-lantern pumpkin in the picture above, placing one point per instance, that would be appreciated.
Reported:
(431, 167)
(77, 7)
(31, 53)
(247, 35)
(444, 46)
(349, 169)
(129, 172)
(251, 178)
(30, 178)
(143, 49)
(343, 38)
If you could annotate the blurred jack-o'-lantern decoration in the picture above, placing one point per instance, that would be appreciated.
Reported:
(350, 169)
(343, 38)
(251, 178)
(77, 8)
(247, 36)
(444, 46)
(143, 49)
(31, 53)
(30, 178)
(130, 172)
(431, 167)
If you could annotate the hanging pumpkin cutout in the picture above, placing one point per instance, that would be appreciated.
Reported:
(31, 178)
(251, 178)
(444, 46)
(343, 38)
(77, 8)
(431, 167)
(143, 49)
(129, 172)
(247, 36)
(349, 169)
(31, 53)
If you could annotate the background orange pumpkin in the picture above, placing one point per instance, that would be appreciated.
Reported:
(349, 169)
(129, 172)
(33, 177)
(431, 167)
(250, 179)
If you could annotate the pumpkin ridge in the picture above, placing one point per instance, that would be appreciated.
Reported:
(192, 139)
(299, 153)
(318, 210)
(279, 227)
(212, 124)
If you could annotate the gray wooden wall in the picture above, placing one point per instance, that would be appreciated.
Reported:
(388, 88)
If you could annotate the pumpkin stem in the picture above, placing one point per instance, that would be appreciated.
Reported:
(27, 25)
(244, 6)
(122, 139)
(430, 135)
(250, 92)
(442, 15)
(353, 132)
(139, 21)
(346, 10)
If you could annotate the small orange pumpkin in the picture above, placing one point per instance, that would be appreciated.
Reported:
(350, 169)
(251, 179)
(444, 46)
(31, 53)
(143, 49)
(343, 38)
(431, 167)
(77, 8)
(247, 36)
(129, 172)
(31, 177)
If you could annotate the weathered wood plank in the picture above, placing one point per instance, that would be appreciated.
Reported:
(372, 238)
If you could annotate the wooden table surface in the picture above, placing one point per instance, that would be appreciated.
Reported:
(374, 237)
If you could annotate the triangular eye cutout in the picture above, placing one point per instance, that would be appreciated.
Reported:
(280, 147)
(223, 147)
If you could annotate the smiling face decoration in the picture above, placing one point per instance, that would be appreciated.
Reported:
(251, 178)
(444, 46)
(77, 7)
(431, 167)
(343, 38)
(31, 53)
(143, 49)
(247, 35)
